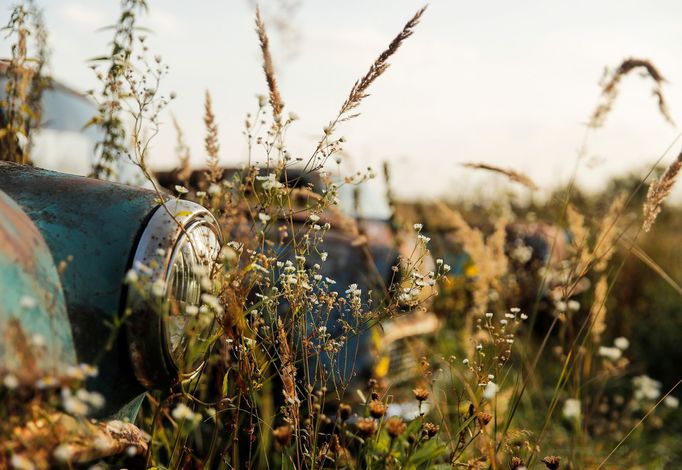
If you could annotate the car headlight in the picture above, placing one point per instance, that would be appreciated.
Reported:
(172, 318)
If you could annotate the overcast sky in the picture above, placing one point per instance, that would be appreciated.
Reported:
(506, 83)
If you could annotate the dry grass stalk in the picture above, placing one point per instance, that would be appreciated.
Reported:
(359, 90)
(268, 68)
(211, 141)
(658, 192)
(488, 256)
(580, 237)
(182, 152)
(513, 175)
(287, 374)
(598, 309)
(610, 90)
(608, 234)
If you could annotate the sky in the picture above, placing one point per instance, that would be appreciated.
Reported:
(505, 83)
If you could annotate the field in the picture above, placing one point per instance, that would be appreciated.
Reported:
(516, 332)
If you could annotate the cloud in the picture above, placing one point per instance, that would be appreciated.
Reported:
(82, 15)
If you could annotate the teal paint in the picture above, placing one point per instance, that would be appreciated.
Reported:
(35, 334)
(93, 226)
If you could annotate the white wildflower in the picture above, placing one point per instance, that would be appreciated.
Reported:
(10, 382)
(646, 388)
(572, 408)
(214, 189)
(671, 401)
(19, 462)
(263, 217)
(621, 343)
(181, 189)
(490, 391)
(418, 227)
(183, 412)
(131, 277)
(610, 353)
(63, 453)
(314, 218)
(158, 288)
(27, 302)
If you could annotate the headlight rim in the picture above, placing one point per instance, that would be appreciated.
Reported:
(152, 262)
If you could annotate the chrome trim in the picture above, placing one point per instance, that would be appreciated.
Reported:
(152, 262)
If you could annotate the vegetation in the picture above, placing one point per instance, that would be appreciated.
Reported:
(558, 321)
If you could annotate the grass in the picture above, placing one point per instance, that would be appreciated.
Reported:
(553, 317)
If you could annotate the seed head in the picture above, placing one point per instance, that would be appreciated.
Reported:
(345, 411)
(430, 430)
(282, 435)
(377, 409)
(484, 418)
(552, 462)
(421, 394)
(395, 426)
(366, 427)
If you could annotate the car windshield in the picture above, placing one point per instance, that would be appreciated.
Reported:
(64, 143)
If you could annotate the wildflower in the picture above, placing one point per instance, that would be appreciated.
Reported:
(366, 427)
(395, 426)
(610, 353)
(418, 227)
(424, 239)
(73, 405)
(20, 462)
(323, 256)
(377, 409)
(421, 394)
(490, 390)
(479, 347)
(353, 290)
(621, 343)
(212, 301)
(572, 408)
(269, 182)
(524, 316)
(552, 462)
(465, 361)
(214, 189)
(159, 288)
(10, 382)
(429, 430)
(489, 315)
(646, 388)
(282, 435)
(263, 217)
(517, 463)
(183, 412)
(345, 411)
(446, 268)
(671, 401)
(131, 277)
(181, 189)
(439, 261)
(314, 218)
(27, 302)
(484, 418)
(573, 305)
(63, 453)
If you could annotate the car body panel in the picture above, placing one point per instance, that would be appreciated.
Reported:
(36, 337)
(92, 226)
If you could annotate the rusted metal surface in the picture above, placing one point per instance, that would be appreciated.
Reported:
(91, 227)
(35, 334)
(60, 439)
